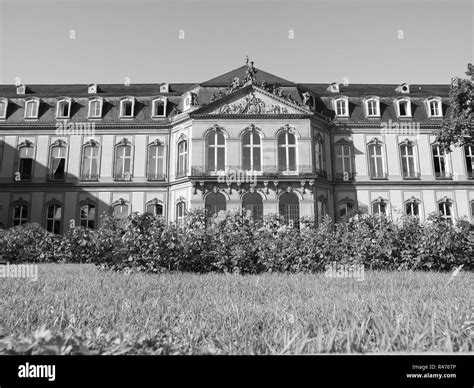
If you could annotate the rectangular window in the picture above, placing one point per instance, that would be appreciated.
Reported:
(440, 162)
(469, 152)
(3, 109)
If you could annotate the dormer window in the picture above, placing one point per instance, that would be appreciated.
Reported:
(372, 106)
(341, 106)
(31, 109)
(63, 108)
(95, 108)
(164, 88)
(403, 107)
(3, 108)
(21, 89)
(434, 107)
(159, 107)
(127, 108)
(403, 88)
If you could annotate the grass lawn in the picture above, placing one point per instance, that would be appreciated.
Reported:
(232, 314)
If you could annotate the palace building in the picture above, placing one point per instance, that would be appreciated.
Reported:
(244, 140)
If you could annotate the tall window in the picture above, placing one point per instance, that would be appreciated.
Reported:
(53, 218)
(31, 109)
(469, 152)
(215, 203)
(440, 162)
(404, 108)
(180, 211)
(156, 153)
(87, 216)
(373, 107)
(90, 161)
(126, 108)
(251, 151)
(376, 164)
(95, 108)
(342, 108)
(379, 207)
(20, 214)
(412, 208)
(154, 208)
(286, 152)
(322, 208)
(25, 166)
(472, 210)
(319, 156)
(407, 152)
(215, 151)
(120, 209)
(252, 204)
(445, 209)
(344, 166)
(63, 109)
(182, 169)
(434, 108)
(123, 161)
(58, 162)
(159, 108)
(3, 108)
(289, 208)
(345, 209)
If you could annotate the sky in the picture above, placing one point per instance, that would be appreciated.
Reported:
(105, 41)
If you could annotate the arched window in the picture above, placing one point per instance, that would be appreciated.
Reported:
(127, 106)
(346, 208)
(95, 108)
(251, 151)
(90, 161)
(180, 211)
(372, 107)
(434, 107)
(3, 108)
(252, 204)
(445, 208)
(322, 207)
(63, 108)
(120, 209)
(215, 203)
(440, 162)
(87, 215)
(344, 163)
(57, 162)
(155, 208)
(469, 153)
(20, 212)
(407, 153)
(31, 109)
(215, 142)
(286, 151)
(319, 155)
(289, 208)
(54, 217)
(341, 106)
(156, 164)
(379, 207)
(25, 160)
(403, 107)
(376, 160)
(123, 161)
(412, 207)
(182, 168)
(159, 107)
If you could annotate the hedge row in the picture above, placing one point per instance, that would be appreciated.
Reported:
(236, 244)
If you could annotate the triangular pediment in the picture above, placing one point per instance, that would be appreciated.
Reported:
(253, 100)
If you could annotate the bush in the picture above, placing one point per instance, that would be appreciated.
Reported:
(234, 243)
